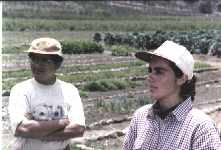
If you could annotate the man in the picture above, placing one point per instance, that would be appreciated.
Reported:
(45, 112)
(171, 123)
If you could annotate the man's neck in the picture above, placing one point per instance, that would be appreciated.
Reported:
(47, 81)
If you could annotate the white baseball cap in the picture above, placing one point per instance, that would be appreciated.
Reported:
(46, 45)
(173, 52)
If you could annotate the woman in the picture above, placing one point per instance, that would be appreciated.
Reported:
(171, 123)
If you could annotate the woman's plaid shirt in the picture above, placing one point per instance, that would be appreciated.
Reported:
(184, 128)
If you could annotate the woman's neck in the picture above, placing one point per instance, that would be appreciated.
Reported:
(166, 104)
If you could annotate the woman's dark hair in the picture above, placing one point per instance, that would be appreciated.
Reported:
(188, 89)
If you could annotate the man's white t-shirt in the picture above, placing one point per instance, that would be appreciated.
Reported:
(44, 102)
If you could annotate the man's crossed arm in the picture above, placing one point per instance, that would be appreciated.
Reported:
(51, 130)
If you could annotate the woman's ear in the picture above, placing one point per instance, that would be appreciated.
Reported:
(182, 79)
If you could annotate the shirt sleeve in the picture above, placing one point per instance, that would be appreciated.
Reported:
(76, 112)
(207, 137)
(17, 107)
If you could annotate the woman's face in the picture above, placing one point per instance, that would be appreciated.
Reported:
(163, 84)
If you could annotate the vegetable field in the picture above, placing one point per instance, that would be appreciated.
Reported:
(99, 60)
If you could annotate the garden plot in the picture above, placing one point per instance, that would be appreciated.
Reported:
(20, 61)
(108, 113)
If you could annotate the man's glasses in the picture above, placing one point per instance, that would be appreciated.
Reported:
(39, 60)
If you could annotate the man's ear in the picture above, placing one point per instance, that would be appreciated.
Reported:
(182, 80)
(57, 65)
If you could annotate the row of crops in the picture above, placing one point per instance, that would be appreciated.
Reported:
(198, 41)
(147, 23)
(96, 77)
(68, 47)
(116, 75)
(101, 76)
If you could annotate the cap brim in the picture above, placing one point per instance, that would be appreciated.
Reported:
(145, 56)
(45, 53)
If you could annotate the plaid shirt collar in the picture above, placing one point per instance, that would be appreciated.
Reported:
(179, 112)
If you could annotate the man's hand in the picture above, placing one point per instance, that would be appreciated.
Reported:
(64, 122)
(29, 116)
(70, 131)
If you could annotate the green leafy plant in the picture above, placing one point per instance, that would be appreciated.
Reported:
(97, 37)
(122, 50)
(81, 47)
(105, 85)
(201, 65)
(197, 41)
(122, 104)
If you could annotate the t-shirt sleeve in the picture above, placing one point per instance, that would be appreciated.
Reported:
(76, 111)
(17, 107)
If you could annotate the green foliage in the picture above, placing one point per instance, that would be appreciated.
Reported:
(215, 48)
(201, 65)
(149, 23)
(122, 50)
(81, 47)
(65, 10)
(120, 85)
(97, 37)
(16, 74)
(14, 49)
(122, 104)
(83, 94)
(10, 78)
(106, 85)
(75, 147)
(109, 39)
(198, 41)
(71, 68)
(7, 85)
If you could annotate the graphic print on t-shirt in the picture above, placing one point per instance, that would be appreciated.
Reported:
(48, 112)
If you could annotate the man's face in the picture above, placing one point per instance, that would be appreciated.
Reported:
(43, 67)
(162, 81)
